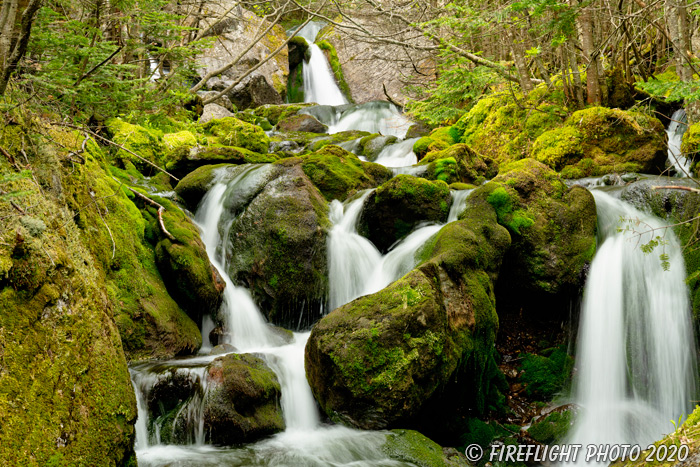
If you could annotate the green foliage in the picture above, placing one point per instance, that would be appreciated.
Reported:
(8, 178)
(552, 428)
(546, 376)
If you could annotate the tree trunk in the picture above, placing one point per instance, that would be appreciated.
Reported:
(674, 33)
(20, 46)
(585, 27)
(516, 46)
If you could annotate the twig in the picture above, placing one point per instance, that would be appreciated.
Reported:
(109, 141)
(93, 69)
(14, 205)
(677, 187)
(9, 156)
(390, 99)
(160, 208)
(114, 245)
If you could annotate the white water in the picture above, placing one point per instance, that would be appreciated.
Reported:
(675, 132)
(398, 154)
(636, 352)
(305, 440)
(356, 266)
(383, 119)
(319, 81)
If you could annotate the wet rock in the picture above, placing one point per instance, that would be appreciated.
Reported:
(412, 446)
(459, 164)
(374, 144)
(242, 402)
(185, 160)
(397, 206)
(222, 349)
(253, 92)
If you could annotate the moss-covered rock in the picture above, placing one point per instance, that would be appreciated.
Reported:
(553, 229)
(65, 393)
(147, 143)
(552, 428)
(504, 129)
(397, 206)
(183, 263)
(339, 174)
(184, 160)
(690, 146)
(336, 138)
(459, 164)
(231, 131)
(242, 403)
(411, 446)
(195, 185)
(370, 146)
(546, 375)
(172, 141)
(598, 140)
(305, 123)
(250, 117)
(274, 113)
(422, 345)
(274, 246)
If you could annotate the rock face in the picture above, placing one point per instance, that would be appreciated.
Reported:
(242, 403)
(553, 230)
(397, 206)
(234, 34)
(274, 246)
(459, 164)
(598, 140)
(422, 345)
(66, 394)
(338, 173)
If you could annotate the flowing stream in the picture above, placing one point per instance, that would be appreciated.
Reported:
(675, 131)
(319, 80)
(636, 352)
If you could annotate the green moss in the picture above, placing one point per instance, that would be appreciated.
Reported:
(336, 67)
(234, 132)
(459, 163)
(553, 428)
(295, 84)
(545, 376)
(502, 202)
(181, 139)
(411, 446)
(144, 142)
(338, 173)
(690, 146)
(275, 113)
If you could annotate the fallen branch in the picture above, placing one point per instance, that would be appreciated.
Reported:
(22, 211)
(9, 156)
(109, 141)
(160, 208)
(386, 93)
(677, 187)
(114, 244)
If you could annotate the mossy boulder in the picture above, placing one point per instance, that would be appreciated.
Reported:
(242, 403)
(459, 164)
(551, 428)
(192, 188)
(438, 139)
(275, 113)
(274, 243)
(231, 131)
(420, 350)
(504, 128)
(337, 139)
(397, 206)
(172, 141)
(303, 122)
(250, 117)
(339, 174)
(411, 446)
(553, 229)
(598, 140)
(184, 160)
(147, 143)
(65, 393)
(190, 278)
(690, 146)
(370, 146)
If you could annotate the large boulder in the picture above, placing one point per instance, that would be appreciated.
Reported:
(399, 205)
(184, 160)
(339, 174)
(273, 245)
(242, 402)
(370, 146)
(192, 188)
(254, 91)
(459, 164)
(420, 350)
(214, 112)
(305, 123)
(598, 140)
(553, 229)
(231, 131)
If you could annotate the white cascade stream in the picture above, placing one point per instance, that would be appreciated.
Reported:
(675, 131)
(319, 81)
(636, 351)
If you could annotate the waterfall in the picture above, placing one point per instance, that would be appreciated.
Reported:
(675, 130)
(319, 81)
(398, 155)
(636, 352)
(357, 267)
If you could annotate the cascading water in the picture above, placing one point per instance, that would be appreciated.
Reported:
(319, 82)
(636, 357)
(357, 267)
(675, 130)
